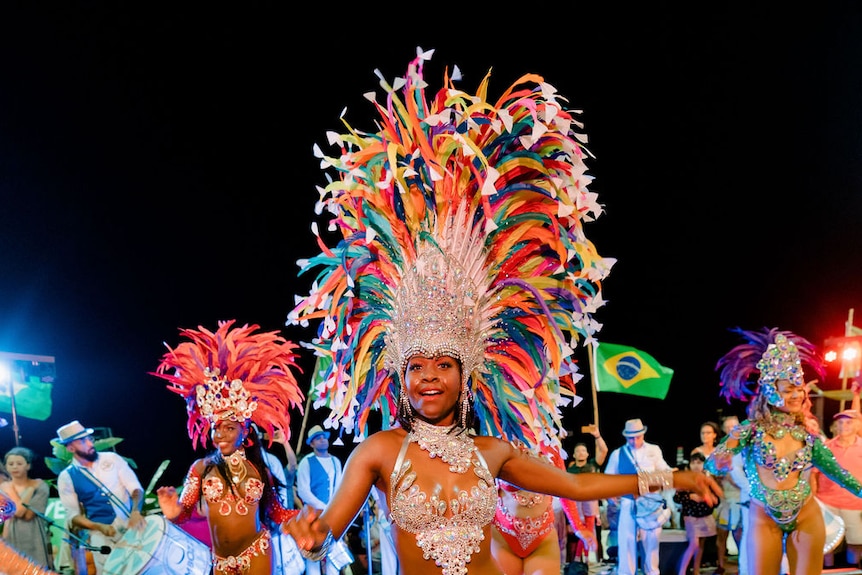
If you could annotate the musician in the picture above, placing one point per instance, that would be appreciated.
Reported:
(99, 491)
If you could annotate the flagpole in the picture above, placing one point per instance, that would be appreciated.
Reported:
(848, 332)
(590, 361)
(14, 411)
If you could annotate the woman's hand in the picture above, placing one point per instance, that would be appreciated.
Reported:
(589, 539)
(704, 485)
(169, 502)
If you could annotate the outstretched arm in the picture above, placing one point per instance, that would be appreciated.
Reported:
(533, 474)
(312, 529)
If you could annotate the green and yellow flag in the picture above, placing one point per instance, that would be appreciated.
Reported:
(624, 369)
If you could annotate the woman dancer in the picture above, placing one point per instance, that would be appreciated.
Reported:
(229, 379)
(524, 539)
(462, 280)
(779, 443)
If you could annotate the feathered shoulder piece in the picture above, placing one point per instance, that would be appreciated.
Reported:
(753, 367)
(233, 374)
(461, 233)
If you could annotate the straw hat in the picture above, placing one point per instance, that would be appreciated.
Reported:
(634, 427)
(314, 432)
(72, 431)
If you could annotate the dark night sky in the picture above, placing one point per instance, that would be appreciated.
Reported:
(156, 171)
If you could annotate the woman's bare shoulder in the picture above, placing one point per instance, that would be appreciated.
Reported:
(382, 441)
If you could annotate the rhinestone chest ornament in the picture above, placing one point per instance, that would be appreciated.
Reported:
(449, 540)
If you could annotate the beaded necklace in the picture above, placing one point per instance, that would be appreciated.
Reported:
(456, 448)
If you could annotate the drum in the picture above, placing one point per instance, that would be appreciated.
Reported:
(834, 528)
(162, 549)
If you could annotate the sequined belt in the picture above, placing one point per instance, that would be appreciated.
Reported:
(237, 564)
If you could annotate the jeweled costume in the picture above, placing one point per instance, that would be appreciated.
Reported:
(461, 224)
(242, 375)
(775, 355)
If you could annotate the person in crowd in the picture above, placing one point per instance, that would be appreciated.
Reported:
(99, 491)
(287, 560)
(589, 510)
(709, 434)
(25, 530)
(698, 519)
(231, 378)
(451, 306)
(318, 475)
(779, 443)
(12, 561)
(729, 513)
(637, 456)
(847, 448)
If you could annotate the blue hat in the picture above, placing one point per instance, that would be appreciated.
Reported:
(314, 432)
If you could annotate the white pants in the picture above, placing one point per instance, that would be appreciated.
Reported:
(627, 542)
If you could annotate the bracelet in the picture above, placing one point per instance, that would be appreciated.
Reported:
(649, 479)
(321, 551)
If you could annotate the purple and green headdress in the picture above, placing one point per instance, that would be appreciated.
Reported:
(771, 355)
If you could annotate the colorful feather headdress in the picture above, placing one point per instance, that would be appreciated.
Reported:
(233, 374)
(461, 234)
(772, 355)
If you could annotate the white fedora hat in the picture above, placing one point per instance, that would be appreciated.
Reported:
(72, 431)
(634, 427)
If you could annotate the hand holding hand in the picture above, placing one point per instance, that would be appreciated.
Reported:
(304, 528)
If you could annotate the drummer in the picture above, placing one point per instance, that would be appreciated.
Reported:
(11, 561)
(105, 485)
(229, 379)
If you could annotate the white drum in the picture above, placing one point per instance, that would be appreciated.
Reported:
(162, 549)
(834, 528)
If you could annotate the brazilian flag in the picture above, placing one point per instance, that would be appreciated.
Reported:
(623, 369)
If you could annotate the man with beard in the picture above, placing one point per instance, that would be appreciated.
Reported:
(99, 491)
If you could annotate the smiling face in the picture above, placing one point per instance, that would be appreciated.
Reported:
(227, 436)
(793, 395)
(433, 387)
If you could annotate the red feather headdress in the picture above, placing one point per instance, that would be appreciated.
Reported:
(233, 374)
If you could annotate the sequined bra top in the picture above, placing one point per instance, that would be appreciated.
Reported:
(447, 531)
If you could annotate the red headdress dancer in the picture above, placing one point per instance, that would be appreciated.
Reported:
(234, 373)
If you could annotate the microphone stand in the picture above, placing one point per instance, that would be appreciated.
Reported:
(104, 549)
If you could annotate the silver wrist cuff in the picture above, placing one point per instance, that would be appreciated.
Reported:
(321, 551)
(647, 480)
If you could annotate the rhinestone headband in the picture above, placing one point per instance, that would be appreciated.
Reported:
(779, 361)
(219, 400)
(435, 312)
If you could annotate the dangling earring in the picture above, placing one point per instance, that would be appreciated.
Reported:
(465, 405)
(404, 405)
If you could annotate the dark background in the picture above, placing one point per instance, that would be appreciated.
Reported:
(156, 172)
